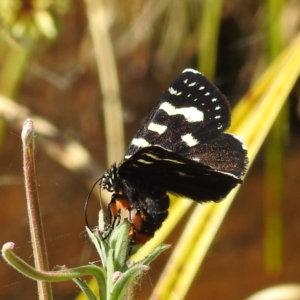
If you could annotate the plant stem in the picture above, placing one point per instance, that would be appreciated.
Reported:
(35, 222)
(99, 18)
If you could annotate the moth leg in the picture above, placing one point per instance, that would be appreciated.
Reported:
(107, 233)
(117, 202)
(135, 229)
(114, 212)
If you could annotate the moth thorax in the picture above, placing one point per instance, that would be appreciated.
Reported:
(109, 179)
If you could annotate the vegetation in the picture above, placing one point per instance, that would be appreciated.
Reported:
(57, 61)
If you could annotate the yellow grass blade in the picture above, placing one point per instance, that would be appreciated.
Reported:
(252, 120)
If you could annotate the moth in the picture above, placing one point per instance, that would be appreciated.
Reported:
(182, 149)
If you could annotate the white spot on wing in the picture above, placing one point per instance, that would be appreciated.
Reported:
(174, 92)
(189, 140)
(244, 146)
(157, 128)
(214, 99)
(152, 156)
(174, 161)
(145, 161)
(185, 81)
(191, 70)
(206, 94)
(218, 107)
(217, 117)
(140, 142)
(182, 174)
(196, 159)
(232, 175)
(166, 159)
(192, 84)
(191, 114)
(201, 88)
(127, 156)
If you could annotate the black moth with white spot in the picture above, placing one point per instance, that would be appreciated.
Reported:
(181, 149)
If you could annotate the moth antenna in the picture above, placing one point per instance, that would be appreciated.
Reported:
(87, 202)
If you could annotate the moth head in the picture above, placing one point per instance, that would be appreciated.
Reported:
(109, 179)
